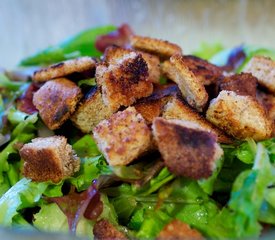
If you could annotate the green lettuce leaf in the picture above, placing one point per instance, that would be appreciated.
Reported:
(87, 173)
(51, 219)
(207, 50)
(23, 194)
(82, 44)
(86, 147)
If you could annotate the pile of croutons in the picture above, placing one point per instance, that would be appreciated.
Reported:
(130, 114)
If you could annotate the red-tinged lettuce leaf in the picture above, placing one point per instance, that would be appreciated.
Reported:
(24, 103)
(119, 37)
(235, 59)
(75, 205)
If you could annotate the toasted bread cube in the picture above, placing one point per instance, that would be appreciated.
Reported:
(91, 111)
(243, 84)
(149, 110)
(262, 68)
(65, 68)
(56, 100)
(104, 230)
(177, 109)
(125, 82)
(177, 229)
(204, 71)
(152, 106)
(153, 64)
(239, 116)
(49, 159)
(123, 137)
(192, 89)
(186, 148)
(161, 48)
(113, 54)
(268, 102)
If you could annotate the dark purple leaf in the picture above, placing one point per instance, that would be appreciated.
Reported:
(119, 37)
(24, 103)
(235, 59)
(74, 205)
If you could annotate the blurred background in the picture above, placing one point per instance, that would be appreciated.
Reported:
(30, 25)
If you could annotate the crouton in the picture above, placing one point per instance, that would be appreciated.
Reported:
(104, 230)
(177, 109)
(65, 68)
(161, 48)
(49, 159)
(56, 100)
(177, 229)
(151, 107)
(243, 84)
(125, 82)
(192, 89)
(239, 116)
(90, 111)
(113, 54)
(262, 68)
(186, 148)
(268, 102)
(204, 71)
(123, 137)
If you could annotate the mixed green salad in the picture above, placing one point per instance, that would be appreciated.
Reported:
(237, 201)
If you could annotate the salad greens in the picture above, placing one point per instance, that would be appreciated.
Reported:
(142, 198)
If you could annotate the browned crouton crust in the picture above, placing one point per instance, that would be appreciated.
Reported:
(268, 102)
(243, 84)
(49, 159)
(177, 109)
(205, 71)
(113, 54)
(104, 230)
(152, 106)
(178, 230)
(187, 149)
(65, 68)
(125, 82)
(56, 100)
(91, 111)
(239, 116)
(262, 68)
(161, 48)
(149, 109)
(192, 89)
(123, 137)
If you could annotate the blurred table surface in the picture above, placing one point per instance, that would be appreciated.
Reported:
(29, 25)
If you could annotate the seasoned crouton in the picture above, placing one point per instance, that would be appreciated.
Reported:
(187, 149)
(113, 54)
(65, 68)
(192, 89)
(177, 109)
(240, 116)
(268, 102)
(91, 111)
(56, 100)
(125, 82)
(262, 68)
(204, 71)
(49, 159)
(123, 137)
(161, 48)
(242, 84)
(151, 107)
(104, 230)
(178, 230)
